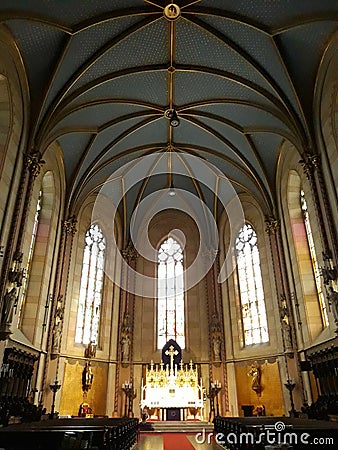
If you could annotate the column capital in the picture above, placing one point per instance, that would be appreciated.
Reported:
(272, 225)
(130, 253)
(310, 163)
(33, 162)
(69, 225)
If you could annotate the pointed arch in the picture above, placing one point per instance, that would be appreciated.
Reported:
(40, 236)
(306, 240)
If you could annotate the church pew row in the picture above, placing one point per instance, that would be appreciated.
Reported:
(67, 434)
(237, 433)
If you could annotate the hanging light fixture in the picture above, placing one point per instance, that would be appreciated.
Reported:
(174, 120)
(171, 114)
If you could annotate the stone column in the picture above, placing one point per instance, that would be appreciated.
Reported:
(59, 297)
(286, 313)
(61, 285)
(125, 366)
(219, 311)
(310, 164)
(313, 171)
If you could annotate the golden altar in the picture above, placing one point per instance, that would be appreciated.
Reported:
(175, 386)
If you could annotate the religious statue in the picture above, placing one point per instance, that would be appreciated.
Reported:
(87, 377)
(216, 346)
(125, 348)
(57, 329)
(332, 296)
(56, 338)
(59, 309)
(8, 305)
(286, 331)
(90, 351)
(255, 373)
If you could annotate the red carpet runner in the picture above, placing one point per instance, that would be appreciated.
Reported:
(179, 441)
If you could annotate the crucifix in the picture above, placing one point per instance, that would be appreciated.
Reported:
(171, 353)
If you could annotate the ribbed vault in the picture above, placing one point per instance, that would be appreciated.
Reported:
(104, 76)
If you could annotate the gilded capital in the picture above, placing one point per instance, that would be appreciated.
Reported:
(33, 163)
(272, 225)
(310, 163)
(69, 225)
(130, 253)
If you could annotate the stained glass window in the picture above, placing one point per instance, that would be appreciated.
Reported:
(89, 309)
(170, 294)
(255, 327)
(314, 260)
(30, 255)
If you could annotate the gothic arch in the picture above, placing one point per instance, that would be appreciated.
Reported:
(300, 256)
(50, 182)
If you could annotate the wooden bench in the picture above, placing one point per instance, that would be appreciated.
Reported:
(75, 433)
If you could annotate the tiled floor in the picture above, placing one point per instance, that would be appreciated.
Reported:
(155, 442)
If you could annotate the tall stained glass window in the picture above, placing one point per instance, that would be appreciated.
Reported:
(30, 256)
(314, 261)
(170, 294)
(89, 309)
(254, 321)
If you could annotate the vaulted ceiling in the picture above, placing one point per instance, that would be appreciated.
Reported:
(105, 75)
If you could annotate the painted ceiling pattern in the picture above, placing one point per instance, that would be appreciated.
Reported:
(105, 78)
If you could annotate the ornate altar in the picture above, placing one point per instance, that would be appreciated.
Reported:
(176, 386)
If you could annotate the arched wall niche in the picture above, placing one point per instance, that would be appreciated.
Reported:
(51, 183)
(14, 117)
(239, 358)
(196, 298)
(196, 328)
(108, 327)
(101, 396)
(230, 289)
(290, 180)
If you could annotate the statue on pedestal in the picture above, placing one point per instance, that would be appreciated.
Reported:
(87, 377)
(9, 301)
(216, 347)
(255, 373)
(125, 348)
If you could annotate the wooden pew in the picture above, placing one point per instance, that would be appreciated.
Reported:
(260, 432)
(66, 434)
